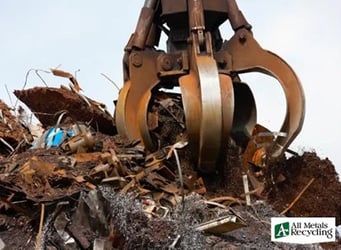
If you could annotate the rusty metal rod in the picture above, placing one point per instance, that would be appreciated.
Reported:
(144, 24)
(236, 17)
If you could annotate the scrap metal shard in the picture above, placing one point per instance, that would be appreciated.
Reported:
(48, 104)
(11, 131)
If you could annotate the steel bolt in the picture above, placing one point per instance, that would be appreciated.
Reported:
(166, 62)
(137, 60)
(242, 37)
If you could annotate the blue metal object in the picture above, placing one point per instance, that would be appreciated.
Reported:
(54, 137)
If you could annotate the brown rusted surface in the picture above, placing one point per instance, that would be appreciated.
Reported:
(49, 103)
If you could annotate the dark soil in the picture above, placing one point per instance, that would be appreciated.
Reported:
(323, 196)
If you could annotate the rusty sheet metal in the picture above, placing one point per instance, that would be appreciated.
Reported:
(61, 73)
(48, 103)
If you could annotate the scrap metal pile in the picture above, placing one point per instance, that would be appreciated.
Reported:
(64, 170)
(169, 169)
(68, 184)
(83, 185)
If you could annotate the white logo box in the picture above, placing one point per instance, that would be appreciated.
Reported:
(303, 230)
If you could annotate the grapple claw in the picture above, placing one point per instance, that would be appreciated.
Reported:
(217, 106)
(248, 56)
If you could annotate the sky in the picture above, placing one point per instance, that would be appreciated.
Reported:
(87, 37)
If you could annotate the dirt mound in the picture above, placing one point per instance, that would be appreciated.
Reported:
(287, 179)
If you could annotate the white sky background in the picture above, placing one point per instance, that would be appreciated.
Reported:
(90, 36)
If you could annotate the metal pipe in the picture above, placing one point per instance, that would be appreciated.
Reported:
(144, 24)
(196, 15)
(236, 17)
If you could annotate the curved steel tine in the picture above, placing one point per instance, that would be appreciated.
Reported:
(228, 109)
(211, 113)
(208, 105)
(142, 119)
(190, 94)
(132, 106)
(120, 114)
(248, 56)
(245, 114)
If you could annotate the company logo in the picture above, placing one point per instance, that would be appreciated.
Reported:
(282, 230)
(303, 230)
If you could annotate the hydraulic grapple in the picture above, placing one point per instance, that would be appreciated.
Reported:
(217, 105)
